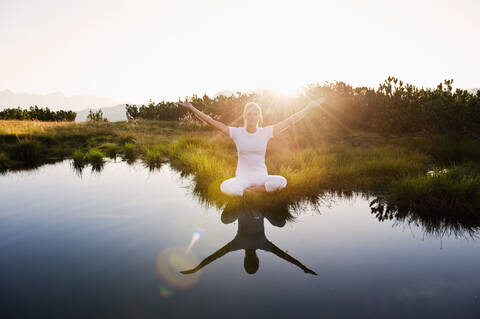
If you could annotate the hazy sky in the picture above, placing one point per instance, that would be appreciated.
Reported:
(136, 50)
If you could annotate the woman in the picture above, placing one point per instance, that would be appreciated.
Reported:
(251, 142)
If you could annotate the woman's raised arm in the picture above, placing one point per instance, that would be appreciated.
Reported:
(280, 253)
(219, 253)
(207, 119)
(285, 124)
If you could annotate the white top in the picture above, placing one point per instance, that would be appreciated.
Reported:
(251, 148)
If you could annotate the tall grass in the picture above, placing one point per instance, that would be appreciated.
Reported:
(338, 162)
(444, 149)
(309, 172)
(451, 192)
(30, 127)
(79, 159)
(444, 202)
(129, 151)
(27, 142)
(154, 156)
(95, 158)
(110, 149)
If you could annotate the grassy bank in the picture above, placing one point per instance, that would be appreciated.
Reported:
(27, 143)
(314, 162)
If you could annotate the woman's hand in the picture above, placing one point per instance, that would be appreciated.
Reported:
(186, 272)
(207, 119)
(309, 271)
(188, 106)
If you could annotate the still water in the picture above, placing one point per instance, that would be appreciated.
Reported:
(111, 244)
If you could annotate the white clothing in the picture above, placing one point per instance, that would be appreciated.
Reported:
(251, 148)
(236, 185)
(251, 169)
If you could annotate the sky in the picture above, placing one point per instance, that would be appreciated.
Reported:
(138, 50)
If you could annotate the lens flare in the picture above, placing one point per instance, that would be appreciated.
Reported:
(173, 260)
(165, 292)
(195, 237)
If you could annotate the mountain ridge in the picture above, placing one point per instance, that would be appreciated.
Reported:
(54, 100)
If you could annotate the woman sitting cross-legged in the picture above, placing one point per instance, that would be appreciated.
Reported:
(251, 142)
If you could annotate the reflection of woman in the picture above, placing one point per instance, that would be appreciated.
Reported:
(251, 142)
(250, 236)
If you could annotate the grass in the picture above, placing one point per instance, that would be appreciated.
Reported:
(79, 159)
(455, 191)
(328, 168)
(26, 150)
(14, 127)
(442, 202)
(129, 151)
(27, 142)
(444, 149)
(95, 156)
(111, 150)
(328, 161)
(154, 156)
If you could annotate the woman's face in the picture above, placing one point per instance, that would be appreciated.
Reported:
(252, 116)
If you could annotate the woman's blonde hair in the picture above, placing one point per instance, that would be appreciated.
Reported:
(247, 107)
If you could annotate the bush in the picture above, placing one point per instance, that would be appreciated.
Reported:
(129, 150)
(36, 113)
(95, 157)
(96, 116)
(111, 149)
(394, 107)
(154, 156)
(78, 159)
(454, 191)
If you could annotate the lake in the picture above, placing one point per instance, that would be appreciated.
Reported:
(112, 243)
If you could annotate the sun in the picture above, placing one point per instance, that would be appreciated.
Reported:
(286, 89)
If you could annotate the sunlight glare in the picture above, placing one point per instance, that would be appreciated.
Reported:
(286, 90)
(171, 261)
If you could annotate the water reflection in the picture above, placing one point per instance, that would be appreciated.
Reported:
(96, 167)
(29, 166)
(431, 222)
(250, 237)
(129, 246)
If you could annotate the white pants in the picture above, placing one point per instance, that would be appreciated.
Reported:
(236, 185)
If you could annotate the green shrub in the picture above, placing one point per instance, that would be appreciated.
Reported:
(130, 151)
(154, 156)
(95, 156)
(78, 159)
(455, 191)
(111, 149)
